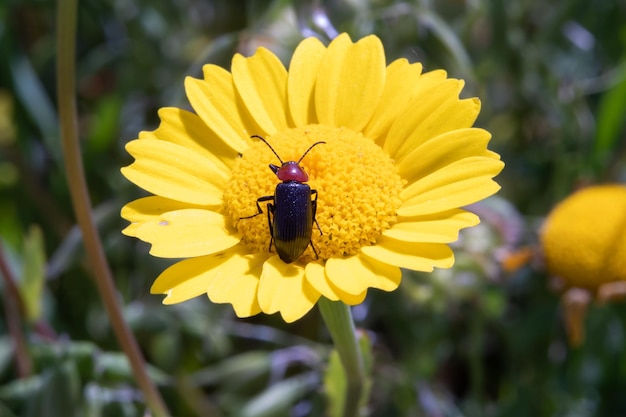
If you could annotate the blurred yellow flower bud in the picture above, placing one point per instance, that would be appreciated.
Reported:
(584, 237)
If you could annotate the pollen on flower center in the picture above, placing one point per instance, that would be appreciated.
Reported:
(357, 183)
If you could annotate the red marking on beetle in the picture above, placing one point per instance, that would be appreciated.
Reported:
(290, 171)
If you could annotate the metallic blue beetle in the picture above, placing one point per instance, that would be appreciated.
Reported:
(290, 211)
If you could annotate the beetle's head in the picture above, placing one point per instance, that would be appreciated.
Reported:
(290, 171)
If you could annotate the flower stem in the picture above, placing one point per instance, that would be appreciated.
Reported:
(338, 318)
(66, 87)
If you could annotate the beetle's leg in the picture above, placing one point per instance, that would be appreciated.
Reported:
(314, 210)
(314, 207)
(314, 251)
(258, 206)
(270, 223)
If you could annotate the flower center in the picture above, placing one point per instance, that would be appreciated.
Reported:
(357, 184)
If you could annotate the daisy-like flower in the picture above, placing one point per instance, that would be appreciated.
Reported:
(399, 161)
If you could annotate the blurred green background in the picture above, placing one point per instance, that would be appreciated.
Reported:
(477, 340)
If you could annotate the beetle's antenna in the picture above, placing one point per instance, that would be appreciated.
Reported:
(270, 146)
(307, 151)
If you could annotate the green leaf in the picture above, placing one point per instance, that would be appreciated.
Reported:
(105, 125)
(368, 363)
(278, 398)
(611, 120)
(55, 392)
(104, 401)
(33, 96)
(22, 389)
(59, 394)
(335, 385)
(116, 366)
(234, 371)
(6, 353)
(70, 250)
(33, 273)
(449, 39)
(335, 382)
(5, 412)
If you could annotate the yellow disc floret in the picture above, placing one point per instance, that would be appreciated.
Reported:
(584, 237)
(358, 188)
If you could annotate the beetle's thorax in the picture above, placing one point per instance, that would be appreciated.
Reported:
(290, 171)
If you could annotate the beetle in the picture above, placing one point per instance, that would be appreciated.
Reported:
(290, 211)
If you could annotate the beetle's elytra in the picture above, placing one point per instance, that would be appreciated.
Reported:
(290, 211)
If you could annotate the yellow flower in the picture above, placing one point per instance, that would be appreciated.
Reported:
(399, 161)
(584, 237)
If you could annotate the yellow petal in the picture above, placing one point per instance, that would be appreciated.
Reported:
(237, 281)
(434, 228)
(174, 172)
(350, 82)
(410, 255)
(189, 131)
(355, 274)
(400, 85)
(316, 275)
(459, 184)
(350, 299)
(429, 80)
(261, 81)
(185, 279)
(217, 103)
(444, 150)
(283, 288)
(187, 233)
(230, 277)
(434, 110)
(149, 208)
(301, 83)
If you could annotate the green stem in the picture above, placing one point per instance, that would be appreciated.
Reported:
(338, 318)
(66, 87)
